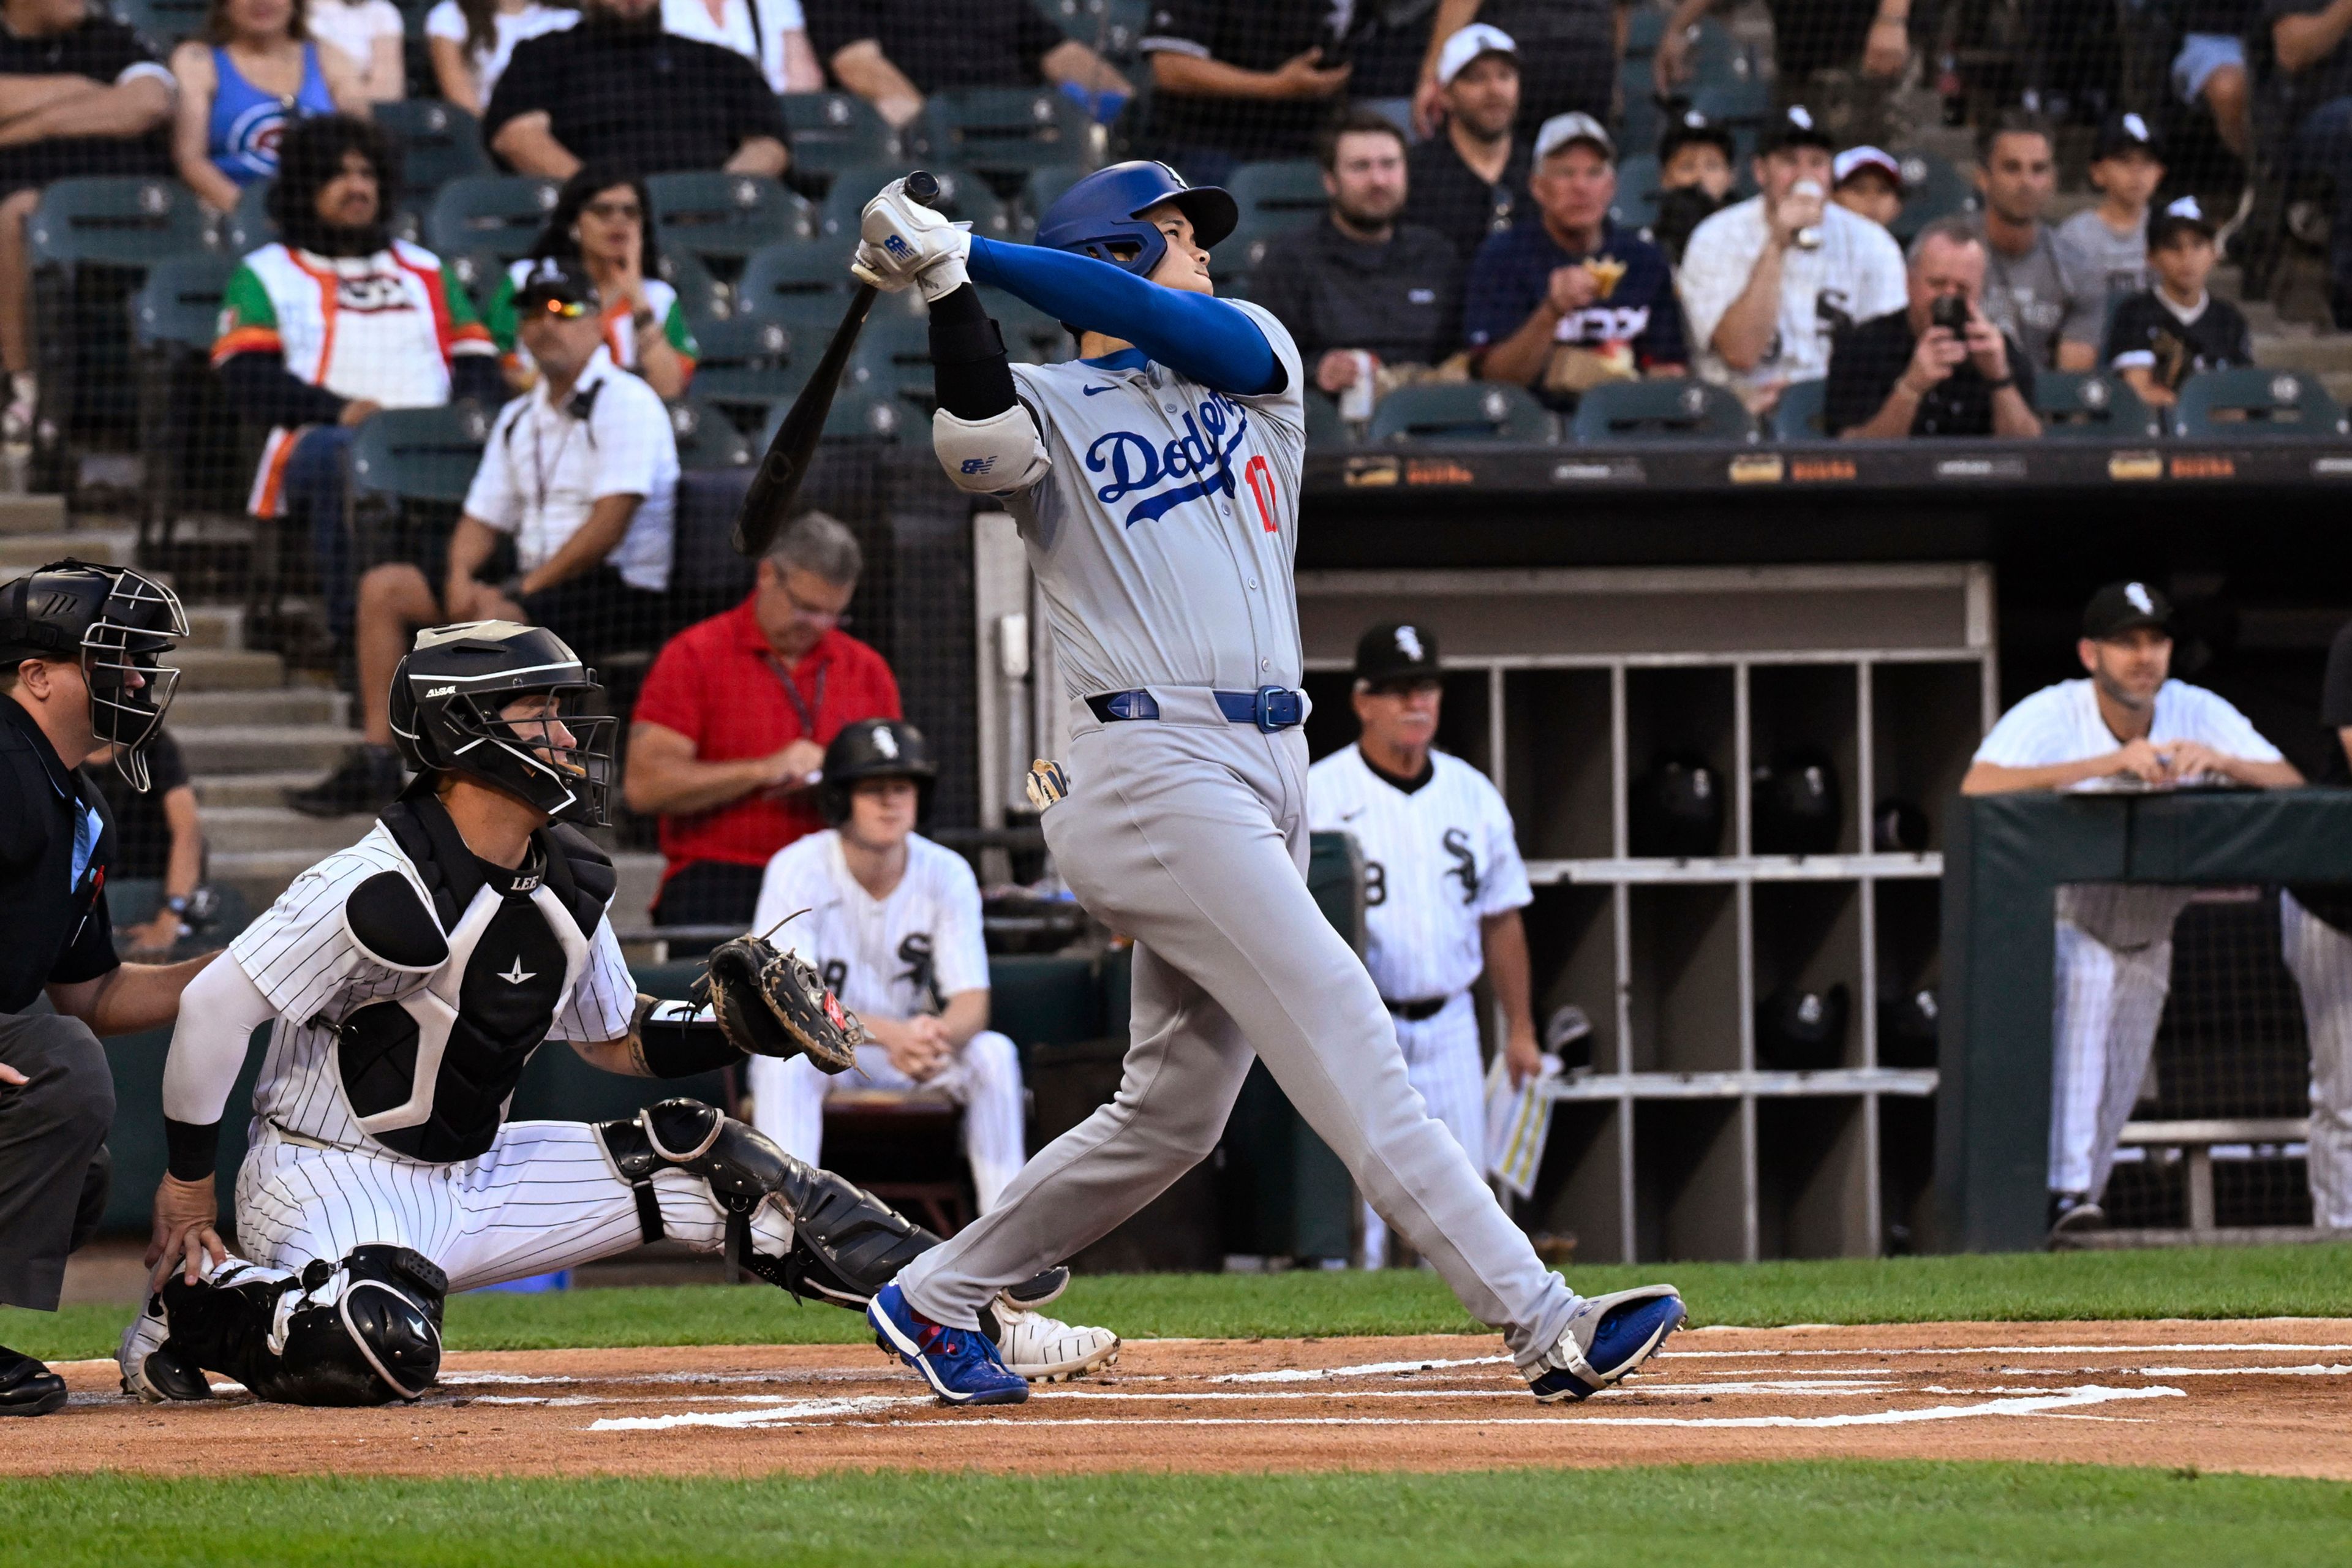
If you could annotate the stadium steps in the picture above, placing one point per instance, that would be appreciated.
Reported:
(22, 551)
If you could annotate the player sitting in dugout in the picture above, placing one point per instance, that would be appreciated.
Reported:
(891, 920)
(407, 980)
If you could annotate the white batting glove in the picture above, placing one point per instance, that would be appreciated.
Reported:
(901, 242)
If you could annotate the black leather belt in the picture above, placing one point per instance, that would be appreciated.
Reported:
(1270, 708)
(1418, 1012)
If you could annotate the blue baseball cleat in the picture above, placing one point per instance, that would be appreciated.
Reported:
(1607, 1337)
(961, 1364)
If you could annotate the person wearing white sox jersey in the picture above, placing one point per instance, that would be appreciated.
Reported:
(1155, 482)
(1443, 886)
(892, 922)
(2315, 932)
(2126, 725)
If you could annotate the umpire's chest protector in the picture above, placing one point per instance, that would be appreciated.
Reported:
(487, 966)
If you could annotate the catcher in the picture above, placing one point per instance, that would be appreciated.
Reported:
(410, 978)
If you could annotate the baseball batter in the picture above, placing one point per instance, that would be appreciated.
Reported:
(1444, 887)
(2127, 723)
(1155, 480)
(407, 980)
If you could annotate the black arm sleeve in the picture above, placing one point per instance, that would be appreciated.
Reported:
(968, 362)
(260, 386)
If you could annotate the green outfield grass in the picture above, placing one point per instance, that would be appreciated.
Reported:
(1757, 1516)
(2216, 1282)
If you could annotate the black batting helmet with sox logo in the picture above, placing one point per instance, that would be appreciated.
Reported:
(874, 748)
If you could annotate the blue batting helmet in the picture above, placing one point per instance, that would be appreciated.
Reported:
(1102, 214)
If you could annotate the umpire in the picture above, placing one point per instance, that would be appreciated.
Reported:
(81, 667)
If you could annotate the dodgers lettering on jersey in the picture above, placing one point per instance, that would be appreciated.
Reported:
(893, 957)
(1162, 540)
(2060, 723)
(1437, 863)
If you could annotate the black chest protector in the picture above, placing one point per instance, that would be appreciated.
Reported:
(428, 1074)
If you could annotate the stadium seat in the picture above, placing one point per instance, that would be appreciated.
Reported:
(747, 366)
(726, 217)
(707, 438)
(1797, 416)
(1933, 187)
(248, 225)
(479, 271)
(164, 22)
(794, 272)
(1003, 129)
(1744, 103)
(184, 419)
(179, 305)
(1044, 185)
(1324, 426)
(836, 130)
(500, 214)
(855, 414)
(419, 454)
(964, 197)
(894, 357)
(2077, 407)
(2255, 403)
(438, 142)
(1637, 129)
(1031, 336)
(1637, 205)
(1460, 411)
(704, 297)
(1284, 192)
(115, 221)
(1672, 408)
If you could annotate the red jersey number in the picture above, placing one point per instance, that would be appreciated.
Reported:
(1258, 474)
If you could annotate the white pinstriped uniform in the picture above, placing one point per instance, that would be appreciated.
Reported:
(2114, 965)
(890, 958)
(1438, 862)
(315, 1184)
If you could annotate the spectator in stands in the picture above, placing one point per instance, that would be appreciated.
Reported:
(735, 717)
(602, 225)
(1695, 179)
(1235, 80)
(1868, 182)
(617, 90)
(82, 95)
(1938, 366)
(2025, 287)
(1360, 282)
(471, 41)
(581, 474)
(892, 921)
(2312, 42)
(1845, 58)
(367, 35)
(1766, 281)
(1572, 302)
(2102, 250)
(1568, 55)
(2210, 68)
(1465, 182)
(2163, 335)
(242, 86)
(895, 53)
(2316, 926)
(770, 34)
(158, 837)
(333, 321)
(2127, 722)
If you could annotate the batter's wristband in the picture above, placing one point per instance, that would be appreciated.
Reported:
(680, 1039)
(191, 1150)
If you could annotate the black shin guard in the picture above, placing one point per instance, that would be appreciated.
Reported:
(366, 1331)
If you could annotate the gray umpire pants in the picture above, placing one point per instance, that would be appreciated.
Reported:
(54, 1169)
(1189, 835)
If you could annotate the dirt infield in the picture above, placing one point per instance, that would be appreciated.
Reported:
(2267, 1396)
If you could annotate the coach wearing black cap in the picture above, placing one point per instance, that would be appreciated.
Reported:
(80, 647)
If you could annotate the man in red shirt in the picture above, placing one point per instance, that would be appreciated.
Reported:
(733, 724)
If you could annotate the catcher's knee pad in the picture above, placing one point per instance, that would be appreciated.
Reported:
(365, 1331)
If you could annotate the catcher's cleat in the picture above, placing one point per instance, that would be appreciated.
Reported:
(153, 1372)
(773, 1004)
(961, 1364)
(1046, 1349)
(1606, 1339)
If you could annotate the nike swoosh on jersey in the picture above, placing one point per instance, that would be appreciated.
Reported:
(1090, 391)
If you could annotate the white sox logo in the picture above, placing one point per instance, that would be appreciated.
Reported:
(886, 743)
(1408, 643)
(1213, 432)
(1465, 862)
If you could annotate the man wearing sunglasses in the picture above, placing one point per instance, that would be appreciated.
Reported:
(582, 473)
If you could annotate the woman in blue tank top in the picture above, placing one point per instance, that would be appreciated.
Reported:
(253, 69)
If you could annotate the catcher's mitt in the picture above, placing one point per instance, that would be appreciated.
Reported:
(773, 1004)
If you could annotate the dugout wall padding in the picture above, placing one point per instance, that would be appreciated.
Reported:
(2004, 860)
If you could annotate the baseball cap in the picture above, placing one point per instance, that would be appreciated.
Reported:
(2182, 214)
(1396, 651)
(1854, 159)
(1690, 126)
(2121, 606)
(1574, 126)
(1795, 127)
(1468, 45)
(552, 285)
(2121, 133)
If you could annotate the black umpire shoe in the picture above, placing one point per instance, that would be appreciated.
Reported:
(368, 780)
(28, 1387)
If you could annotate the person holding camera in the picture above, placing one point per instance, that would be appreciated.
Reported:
(1936, 367)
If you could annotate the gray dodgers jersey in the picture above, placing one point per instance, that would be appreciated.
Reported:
(1162, 540)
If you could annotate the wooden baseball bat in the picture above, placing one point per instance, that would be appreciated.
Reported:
(778, 483)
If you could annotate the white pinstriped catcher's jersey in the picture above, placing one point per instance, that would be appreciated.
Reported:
(1162, 539)
(302, 957)
(1437, 862)
(2060, 723)
(892, 957)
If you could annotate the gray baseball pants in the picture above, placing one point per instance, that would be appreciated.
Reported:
(54, 1170)
(1189, 835)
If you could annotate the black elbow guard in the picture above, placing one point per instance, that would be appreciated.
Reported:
(680, 1039)
(968, 366)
